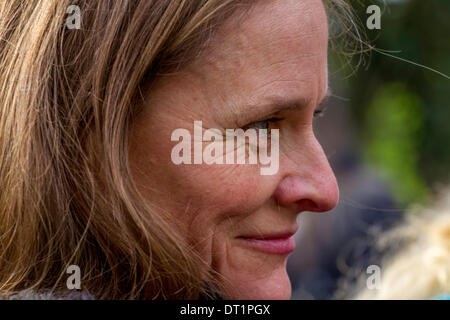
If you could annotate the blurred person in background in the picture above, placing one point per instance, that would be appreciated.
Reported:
(417, 265)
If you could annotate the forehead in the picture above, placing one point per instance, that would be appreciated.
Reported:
(276, 45)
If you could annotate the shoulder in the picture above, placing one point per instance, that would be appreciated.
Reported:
(49, 295)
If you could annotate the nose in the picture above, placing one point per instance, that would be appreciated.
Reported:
(308, 184)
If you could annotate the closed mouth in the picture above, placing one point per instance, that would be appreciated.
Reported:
(282, 244)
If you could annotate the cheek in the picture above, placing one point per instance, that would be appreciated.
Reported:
(223, 189)
(197, 194)
(218, 200)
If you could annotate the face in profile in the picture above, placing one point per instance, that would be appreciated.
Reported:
(265, 69)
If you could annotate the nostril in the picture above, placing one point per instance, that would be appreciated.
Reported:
(307, 205)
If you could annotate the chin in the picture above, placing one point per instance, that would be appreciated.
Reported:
(275, 286)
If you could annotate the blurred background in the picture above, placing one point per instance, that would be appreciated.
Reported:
(386, 133)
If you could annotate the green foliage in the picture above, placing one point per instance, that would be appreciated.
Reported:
(394, 128)
(401, 110)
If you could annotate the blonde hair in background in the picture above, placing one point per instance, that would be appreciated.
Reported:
(421, 268)
(67, 97)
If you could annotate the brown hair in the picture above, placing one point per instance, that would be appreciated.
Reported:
(67, 97)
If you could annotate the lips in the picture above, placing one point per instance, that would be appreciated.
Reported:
(282, 243)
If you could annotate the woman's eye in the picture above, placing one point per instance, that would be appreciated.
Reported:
(259, 125)
(264, 124)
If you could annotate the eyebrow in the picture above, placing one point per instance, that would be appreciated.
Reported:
(279, 104)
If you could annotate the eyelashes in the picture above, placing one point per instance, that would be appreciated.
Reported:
(320, 112)
(269, 123)
(266, 123)
(262, 124)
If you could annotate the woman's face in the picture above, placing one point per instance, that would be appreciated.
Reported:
(270, 64)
